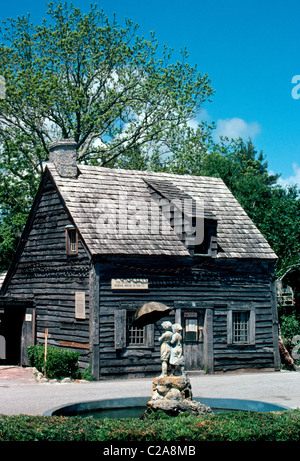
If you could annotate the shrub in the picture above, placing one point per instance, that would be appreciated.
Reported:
(60, 363)
(36, 357)
(87, 374)
(222, 427)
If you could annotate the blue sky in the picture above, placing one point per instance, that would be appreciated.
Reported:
(249, 49)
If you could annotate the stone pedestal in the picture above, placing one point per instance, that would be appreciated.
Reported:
(173, 395)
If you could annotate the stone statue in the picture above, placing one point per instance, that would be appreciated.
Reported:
(173, 394)
(165, 348)
(176, 357)
(171, 348)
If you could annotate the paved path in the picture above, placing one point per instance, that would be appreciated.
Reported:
(21, 394)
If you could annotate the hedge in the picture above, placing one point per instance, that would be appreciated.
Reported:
(61, 363)
(221, 427)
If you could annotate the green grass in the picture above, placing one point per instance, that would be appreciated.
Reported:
(222, 427)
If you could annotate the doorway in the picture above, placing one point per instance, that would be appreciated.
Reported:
(11, 328)
(193, 339)
(17, 331)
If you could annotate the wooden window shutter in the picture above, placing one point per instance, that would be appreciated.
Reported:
(120, 328)
(150, 335)
(252, 327)
(79, 304)
(229, 327)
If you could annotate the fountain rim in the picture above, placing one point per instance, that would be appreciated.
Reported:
(226, 404)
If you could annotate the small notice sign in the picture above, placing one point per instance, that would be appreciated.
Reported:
(129, 284)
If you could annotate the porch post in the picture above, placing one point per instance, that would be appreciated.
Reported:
(208, 341)
(94, 300)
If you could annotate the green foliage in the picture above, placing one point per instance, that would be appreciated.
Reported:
(36, 357)
(237, 426)
(88, 78)
(290, 326)
(60, 363)
(274, 209)
(87, 374)
(84, 77)
(290, 331)
(18, 184)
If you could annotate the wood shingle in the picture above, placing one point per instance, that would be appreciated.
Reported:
(115, 214)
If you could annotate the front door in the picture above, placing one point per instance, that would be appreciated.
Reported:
(193, 337)
(11, 329)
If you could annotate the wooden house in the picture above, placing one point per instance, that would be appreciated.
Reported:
(99, 243)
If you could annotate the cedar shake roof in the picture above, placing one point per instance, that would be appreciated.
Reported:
(96, 200)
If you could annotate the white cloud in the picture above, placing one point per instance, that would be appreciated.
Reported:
(236, 127)
(193, 123)
(293, 179)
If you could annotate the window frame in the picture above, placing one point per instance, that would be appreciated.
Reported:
(191, 318)
(251, 326)
(69, 250)
(136, 332)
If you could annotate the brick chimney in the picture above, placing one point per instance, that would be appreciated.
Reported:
(63, 155)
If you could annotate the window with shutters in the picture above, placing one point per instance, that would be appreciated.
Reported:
(129, 336)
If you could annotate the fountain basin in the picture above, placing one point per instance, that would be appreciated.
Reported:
(134, 407)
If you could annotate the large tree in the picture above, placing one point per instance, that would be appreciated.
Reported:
(273, 208)
(84, 77)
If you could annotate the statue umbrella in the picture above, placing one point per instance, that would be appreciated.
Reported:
(150, 313)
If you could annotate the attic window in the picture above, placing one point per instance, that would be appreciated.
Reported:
(209, 244)
(71, 241)
(199, 237)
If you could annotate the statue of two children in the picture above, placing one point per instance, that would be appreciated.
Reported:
(171, 348)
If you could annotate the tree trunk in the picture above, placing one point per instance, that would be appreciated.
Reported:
(286, 359)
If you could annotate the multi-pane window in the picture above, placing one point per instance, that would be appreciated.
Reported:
(191, 329)
(240, 327)
(135, 335)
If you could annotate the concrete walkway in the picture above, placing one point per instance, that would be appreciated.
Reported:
(21, 394)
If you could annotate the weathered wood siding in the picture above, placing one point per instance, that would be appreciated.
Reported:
(217, 285)
(46, 272)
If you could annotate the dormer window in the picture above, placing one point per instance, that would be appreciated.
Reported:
(209, 245)
(194, 225)
(71, 240)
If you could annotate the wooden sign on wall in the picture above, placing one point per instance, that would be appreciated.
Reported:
(129, 284)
